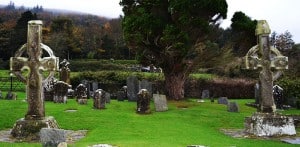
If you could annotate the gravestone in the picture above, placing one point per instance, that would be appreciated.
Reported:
(94, 86)
(80, 93)
(71, 92)
(86, 83)
(132, 83)
(107, 97)
(266, 122)
(11, 96)
(48, 88)
(233, 107)
(160, 102)
(122, 94)
(60, 92)
(51, 137)
(99, 99)
(205, 94)
(256, 93)
(223, 100)
(143, 102)
(278, 96)
(28, 128)
(145, 84)
(64, 72)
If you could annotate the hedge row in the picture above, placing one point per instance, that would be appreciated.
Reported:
(231, 88)
(97, 65)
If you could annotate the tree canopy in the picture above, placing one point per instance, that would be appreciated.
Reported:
(171, 34)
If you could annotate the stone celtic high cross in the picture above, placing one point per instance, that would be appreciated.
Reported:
(268, 58)
(34, 62)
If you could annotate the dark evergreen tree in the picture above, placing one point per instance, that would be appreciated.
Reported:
(19, 35)
(243, 33)
(173, 35)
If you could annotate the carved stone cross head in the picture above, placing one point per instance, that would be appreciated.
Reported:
(266, 57)
(34, 62)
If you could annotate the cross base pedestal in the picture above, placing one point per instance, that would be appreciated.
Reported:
(269, 124)
(29, 130)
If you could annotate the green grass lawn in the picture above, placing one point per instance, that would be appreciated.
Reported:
(119, 125)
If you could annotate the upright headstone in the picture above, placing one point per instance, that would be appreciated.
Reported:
(266, 122)
(48, 88)
(99, 99)
(11, 96)
(223, 100)
(278, 96)
(29, 127)
(64, 72)
(145, 84)
(107, 97)
(87, 85)
(233, 107)
(80, 93)
(205, 94)
(132, 88)
(122, 94)
(60, 92)
(143, 102)
(160, 102)
(257, 93)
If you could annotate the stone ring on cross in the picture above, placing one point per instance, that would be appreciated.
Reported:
(34, 55)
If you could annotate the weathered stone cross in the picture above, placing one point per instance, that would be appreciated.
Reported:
(267, 57)
(34, 63)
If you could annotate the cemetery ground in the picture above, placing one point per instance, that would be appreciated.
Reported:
(185, 123)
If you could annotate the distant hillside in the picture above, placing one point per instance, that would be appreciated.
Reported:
(47, 15)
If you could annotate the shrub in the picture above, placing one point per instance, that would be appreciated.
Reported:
(291, 88)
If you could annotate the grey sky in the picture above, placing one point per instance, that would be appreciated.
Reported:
(282, 15)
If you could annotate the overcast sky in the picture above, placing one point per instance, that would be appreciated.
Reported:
(282, 15)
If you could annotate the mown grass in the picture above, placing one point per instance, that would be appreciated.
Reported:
(185, 123)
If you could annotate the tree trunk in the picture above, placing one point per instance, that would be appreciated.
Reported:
(174, 84)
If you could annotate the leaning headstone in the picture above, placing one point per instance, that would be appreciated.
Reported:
(266, 122)
(223, 100)
(143, 102)
(52, 137)
(233, 107)
(99, 99)
(132, 88)
(278, 96)
(160, 102)
(27, 129)
(80, 93)
(205, 94)
(60, 92)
